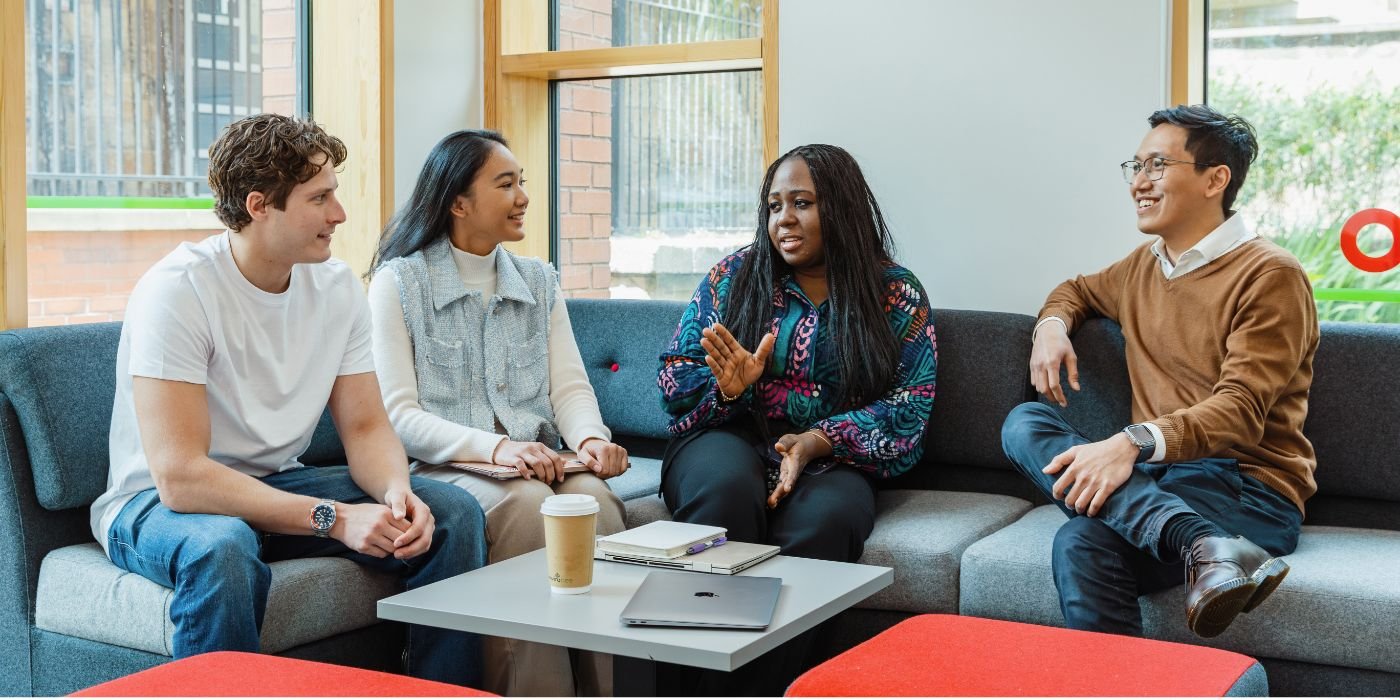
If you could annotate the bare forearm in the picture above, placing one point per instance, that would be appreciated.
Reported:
(201, 485)
(377, 460)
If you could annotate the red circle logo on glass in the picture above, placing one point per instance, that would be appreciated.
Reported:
(1353, 227)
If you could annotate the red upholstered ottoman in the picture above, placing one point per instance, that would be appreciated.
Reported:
(967, 656)
(236, 673)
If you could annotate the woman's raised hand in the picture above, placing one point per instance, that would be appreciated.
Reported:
(735, 368)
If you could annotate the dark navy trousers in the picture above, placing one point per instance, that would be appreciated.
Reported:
(1102, 564)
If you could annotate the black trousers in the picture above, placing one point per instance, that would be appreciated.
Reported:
(716, 477)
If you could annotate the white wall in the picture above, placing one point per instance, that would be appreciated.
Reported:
(991, 131)
(437, 80)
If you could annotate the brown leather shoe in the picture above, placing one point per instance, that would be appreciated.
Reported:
(1224, 577)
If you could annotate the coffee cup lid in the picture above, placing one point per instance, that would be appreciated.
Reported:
(570, 504)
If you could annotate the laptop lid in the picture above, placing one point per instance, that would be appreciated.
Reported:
(731, 558)
(684, 599)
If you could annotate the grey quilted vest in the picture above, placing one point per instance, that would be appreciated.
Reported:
(478, 365)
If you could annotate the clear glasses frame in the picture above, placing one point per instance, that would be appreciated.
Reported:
(1155, 166)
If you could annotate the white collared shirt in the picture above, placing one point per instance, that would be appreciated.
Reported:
(1231, 234)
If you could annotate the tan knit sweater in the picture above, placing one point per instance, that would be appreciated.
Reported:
(1219, 358)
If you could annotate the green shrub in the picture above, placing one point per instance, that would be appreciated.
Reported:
(1323, 156)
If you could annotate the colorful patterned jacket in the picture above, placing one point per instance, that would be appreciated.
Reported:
(884, 437)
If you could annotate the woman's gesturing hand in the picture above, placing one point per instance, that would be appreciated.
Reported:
(735, 368)
(797, 452)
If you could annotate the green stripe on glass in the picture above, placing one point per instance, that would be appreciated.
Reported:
(206, 203)
(1362, 295)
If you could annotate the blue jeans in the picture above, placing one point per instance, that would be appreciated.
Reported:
(1102, 564)
(218, 566)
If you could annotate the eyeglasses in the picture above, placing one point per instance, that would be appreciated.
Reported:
(1155, 166)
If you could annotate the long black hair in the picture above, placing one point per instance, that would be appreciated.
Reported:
(857, 246)
(426, 217)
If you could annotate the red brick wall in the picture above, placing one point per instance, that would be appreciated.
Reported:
(279, 44)
(87, 276)
(584, 192)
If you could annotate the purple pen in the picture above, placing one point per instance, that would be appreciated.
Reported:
(702, 546)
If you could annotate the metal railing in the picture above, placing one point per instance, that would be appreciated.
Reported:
(123, 96)
(687, 149)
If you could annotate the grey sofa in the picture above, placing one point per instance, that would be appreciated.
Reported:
(962, 531)
(965, 534)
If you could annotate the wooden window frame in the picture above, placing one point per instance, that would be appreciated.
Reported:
(359, 112)
(518, 69)
(14, 302)
(1188, 52)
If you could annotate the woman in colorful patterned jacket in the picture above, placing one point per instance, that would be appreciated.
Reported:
(802, 371)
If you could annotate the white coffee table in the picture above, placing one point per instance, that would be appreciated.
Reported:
(512, 599)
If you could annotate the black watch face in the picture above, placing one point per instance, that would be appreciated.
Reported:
(1142, 435)
(323, 517)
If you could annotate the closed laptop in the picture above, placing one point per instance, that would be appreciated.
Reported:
(682, 599)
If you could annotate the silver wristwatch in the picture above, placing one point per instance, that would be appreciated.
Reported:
(323, 518)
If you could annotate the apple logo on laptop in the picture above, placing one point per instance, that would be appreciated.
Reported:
(705, 594)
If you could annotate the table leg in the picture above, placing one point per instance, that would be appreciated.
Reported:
(633, 677)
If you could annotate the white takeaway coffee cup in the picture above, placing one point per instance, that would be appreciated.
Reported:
(570, 526)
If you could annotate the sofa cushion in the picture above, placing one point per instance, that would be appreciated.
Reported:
(325, 449)
(62, 382)
(241, 673)
(83, 594)
(922, 535)
(982, 368)
(1104, 402)
(643, 478)
(646, 509)
(979, 658)
(621, 342)
(1337, 607)
(1352, 408)
(1006, 575)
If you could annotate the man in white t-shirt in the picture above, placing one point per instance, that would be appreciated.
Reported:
(231, 350)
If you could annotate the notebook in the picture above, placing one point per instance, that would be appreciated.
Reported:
(662, 539)
(682, 599)
(731, 558)
(496, 471)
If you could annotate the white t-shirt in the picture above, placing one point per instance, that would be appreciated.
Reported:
(267, 361)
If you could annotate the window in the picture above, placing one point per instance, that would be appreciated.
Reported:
(655, 118)
(593, 24)
(1320, 80)
(123, 99)
(658, 184)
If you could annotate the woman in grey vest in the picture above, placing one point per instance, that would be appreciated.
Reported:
(477, 363)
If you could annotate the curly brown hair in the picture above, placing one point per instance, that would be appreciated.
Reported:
(267, 153)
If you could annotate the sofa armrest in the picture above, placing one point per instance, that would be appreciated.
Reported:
(28, 532)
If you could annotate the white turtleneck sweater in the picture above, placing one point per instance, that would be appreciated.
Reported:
(435, 440)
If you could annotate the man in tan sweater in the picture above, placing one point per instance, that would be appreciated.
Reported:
(1220, 328)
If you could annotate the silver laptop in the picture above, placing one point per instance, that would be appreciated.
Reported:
(683, 599)
(731, 558)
